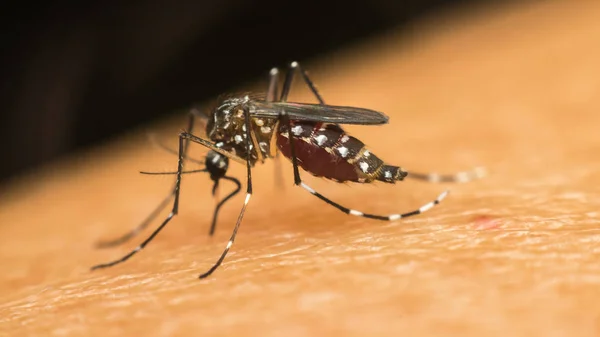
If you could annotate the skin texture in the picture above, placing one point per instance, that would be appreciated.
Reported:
(514, 89)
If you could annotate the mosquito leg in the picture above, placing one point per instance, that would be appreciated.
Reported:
(459, 177)
(390, 217)
(295, 66)
(431, 177)
(287, 82)
(220, 204)
(298, 181)
(127, 236)
(248, 196)
(308, 82)
(166, 148)
(174, 211)
(285, 120)
(272, 91)
(132, 233)
(273, 81)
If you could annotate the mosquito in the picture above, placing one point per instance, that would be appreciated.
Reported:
(250, 129)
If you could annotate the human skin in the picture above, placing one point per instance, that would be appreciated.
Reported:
(513, 89)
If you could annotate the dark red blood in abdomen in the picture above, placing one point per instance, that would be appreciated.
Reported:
(317, 161)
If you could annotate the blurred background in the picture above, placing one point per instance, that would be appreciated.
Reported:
(74, 73)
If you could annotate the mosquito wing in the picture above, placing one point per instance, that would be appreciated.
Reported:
(319, 113)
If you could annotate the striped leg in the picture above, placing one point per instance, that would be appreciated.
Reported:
(289, 77)
(220, 204)
(272, 89)
(459, 177)
(272, 92)
(174, 210)
(215, 166)
(390, 217)
(246, 201)
(298, 181)
(184, 138)
(287, 86)
(133, 232)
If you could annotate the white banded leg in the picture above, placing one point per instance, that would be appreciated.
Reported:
(298, 181)
(182, 153)
(182, 140)
(231, 239)
(459, 177)
(272, 89)
(287, 84)
(390, 217)
(272, 92)
(246, 201)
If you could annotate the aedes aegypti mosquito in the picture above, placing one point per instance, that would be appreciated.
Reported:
(250, 129)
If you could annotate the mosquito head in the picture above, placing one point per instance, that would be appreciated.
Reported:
(216, 165)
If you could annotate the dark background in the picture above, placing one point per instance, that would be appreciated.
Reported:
(75, 73)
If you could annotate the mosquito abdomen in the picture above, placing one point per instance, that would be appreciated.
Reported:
(327, 151)
(315, 152)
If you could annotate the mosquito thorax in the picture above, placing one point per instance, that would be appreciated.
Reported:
(227, 120)
(226, 127)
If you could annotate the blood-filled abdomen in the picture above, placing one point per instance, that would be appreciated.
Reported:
(323, 152)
